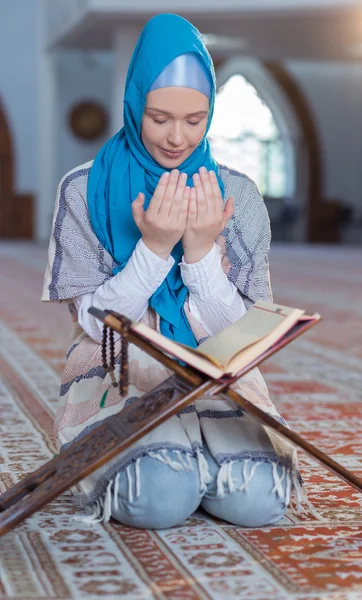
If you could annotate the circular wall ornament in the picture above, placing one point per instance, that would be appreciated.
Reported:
(88, 120)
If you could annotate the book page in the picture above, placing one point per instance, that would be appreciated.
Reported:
(256, 350)
(303, 324)
(260, 320)
(180, 351)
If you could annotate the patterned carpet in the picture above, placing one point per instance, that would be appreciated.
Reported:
(316, 384)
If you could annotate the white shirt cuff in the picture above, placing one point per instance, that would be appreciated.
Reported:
(206, 278)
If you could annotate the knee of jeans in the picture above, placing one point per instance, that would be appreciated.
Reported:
(260, 502)
(152, 495)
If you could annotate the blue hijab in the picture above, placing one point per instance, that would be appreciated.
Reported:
(123, 167)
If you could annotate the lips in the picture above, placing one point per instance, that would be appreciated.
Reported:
(173, 153)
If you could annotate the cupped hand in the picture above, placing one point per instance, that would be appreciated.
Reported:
(163, 223)
(206, 217)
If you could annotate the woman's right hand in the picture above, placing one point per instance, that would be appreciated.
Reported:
(163, 223)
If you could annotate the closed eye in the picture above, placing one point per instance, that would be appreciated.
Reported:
(159, 122)
(163, 122)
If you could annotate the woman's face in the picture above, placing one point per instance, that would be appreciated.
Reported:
(173, 124)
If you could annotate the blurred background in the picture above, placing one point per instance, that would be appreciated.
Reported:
(288, 109)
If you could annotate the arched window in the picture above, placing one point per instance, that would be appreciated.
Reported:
(245, 136)
(257, 131)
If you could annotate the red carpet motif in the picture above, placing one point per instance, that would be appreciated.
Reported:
(316, 384)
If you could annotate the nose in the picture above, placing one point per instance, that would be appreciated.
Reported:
(175, 136)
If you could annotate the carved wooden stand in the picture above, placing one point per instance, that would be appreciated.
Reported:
(122, 430)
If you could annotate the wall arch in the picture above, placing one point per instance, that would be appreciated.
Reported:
(16, 211)
(6, 173)
(319, 220)
(323, 218)
(289, 126)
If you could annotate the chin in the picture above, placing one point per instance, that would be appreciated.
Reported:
(171, 164)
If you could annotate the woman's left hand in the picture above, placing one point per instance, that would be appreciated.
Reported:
(206, 217)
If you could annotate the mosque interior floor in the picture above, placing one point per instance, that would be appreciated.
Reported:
(316, 384)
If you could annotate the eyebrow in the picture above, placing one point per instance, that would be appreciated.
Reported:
(165, 112)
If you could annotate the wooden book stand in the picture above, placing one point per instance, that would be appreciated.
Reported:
(122, 430)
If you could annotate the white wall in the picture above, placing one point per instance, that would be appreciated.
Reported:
(66, 78)
(80, 75)
(19, 55)
(26, 90)
(334, 93)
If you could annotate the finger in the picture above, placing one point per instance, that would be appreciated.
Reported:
(208, 190)
(159, 192)
(200, 196)
(216, 190)
(179, 194)
(170, 192)
(137, 208)
(192, 212)
(184, 206)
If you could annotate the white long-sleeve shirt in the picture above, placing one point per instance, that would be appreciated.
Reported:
(214, 301)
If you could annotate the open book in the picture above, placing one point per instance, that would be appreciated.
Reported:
(264, 329)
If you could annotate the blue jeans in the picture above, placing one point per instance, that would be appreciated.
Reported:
(158, 497)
